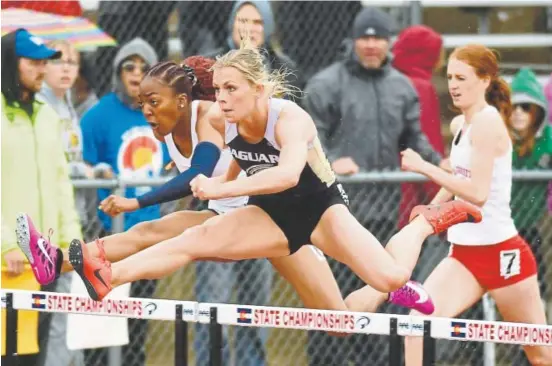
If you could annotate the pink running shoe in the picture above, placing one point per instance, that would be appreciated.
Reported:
(42, 255)
(413, 296)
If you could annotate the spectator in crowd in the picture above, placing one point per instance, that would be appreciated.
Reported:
(116, 133)
(126, 20)
(532, 138)
(256, 20)
(60, 76)
(35, 175)
(84, 91)
(366, 112)
(417, 53)
(548, 94)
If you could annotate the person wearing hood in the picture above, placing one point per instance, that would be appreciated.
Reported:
(532, 138)
(128, 20)
(35, 177)
(255, 19)
(366, 112)
(115, 133)
(417, 53)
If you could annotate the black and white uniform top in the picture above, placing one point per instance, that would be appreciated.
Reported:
(183, 163)
(296, 210)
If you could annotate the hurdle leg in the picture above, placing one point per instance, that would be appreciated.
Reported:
(180, 338)
(429, 345)
(395, 344)
(11, 331)
(215, 339)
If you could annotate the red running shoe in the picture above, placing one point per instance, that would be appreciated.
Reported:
(447, 214)
(95, 272)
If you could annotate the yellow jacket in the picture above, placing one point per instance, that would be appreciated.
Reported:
(35, 177)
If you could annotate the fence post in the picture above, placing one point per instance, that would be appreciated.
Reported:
(429, 345)
(11, 331)
(215, 339)
(395, 350)
(489, 313)
(180, 338)
(118, 222)
(416, 12)
(115, 354)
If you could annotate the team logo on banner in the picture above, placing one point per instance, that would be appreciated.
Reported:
(244, 316)
(458, 329)
(39, 301)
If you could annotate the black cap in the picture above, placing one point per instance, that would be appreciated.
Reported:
(373, 22)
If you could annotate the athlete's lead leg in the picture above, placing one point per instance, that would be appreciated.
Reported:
(116, 246)
(219, 237)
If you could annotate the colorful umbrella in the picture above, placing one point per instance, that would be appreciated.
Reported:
(82, 33)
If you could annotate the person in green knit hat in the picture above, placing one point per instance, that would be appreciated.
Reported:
(532, 138)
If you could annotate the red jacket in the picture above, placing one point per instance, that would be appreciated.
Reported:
(60, 7)
(415, 54)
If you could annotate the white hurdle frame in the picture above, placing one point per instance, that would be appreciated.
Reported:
(217, 315)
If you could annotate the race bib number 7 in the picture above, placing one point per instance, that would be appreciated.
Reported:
(510, 264)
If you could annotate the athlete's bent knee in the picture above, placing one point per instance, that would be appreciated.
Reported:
(395, 279)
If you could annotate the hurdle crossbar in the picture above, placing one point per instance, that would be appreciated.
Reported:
(217, 315)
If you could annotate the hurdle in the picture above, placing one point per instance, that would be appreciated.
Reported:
(217, 315)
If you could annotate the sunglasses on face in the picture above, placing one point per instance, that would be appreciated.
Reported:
(130, 66)
(524, 106)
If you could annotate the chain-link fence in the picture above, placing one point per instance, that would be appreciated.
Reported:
(255, 282)
(310, 33)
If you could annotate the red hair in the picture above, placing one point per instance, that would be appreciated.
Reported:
(204, 89)
(485, 63)
(192, 77)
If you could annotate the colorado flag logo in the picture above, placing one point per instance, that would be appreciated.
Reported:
(458, 330)
(39, 301)
(244, 315)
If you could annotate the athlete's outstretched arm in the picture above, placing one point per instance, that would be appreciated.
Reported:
(294, 130)
(476, 185)
(205, 157)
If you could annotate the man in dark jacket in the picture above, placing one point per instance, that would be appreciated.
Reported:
(366, 112)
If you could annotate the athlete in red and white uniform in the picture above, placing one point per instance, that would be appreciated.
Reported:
(488, 256)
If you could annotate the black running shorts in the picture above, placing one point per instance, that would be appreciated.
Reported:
(298, 217)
